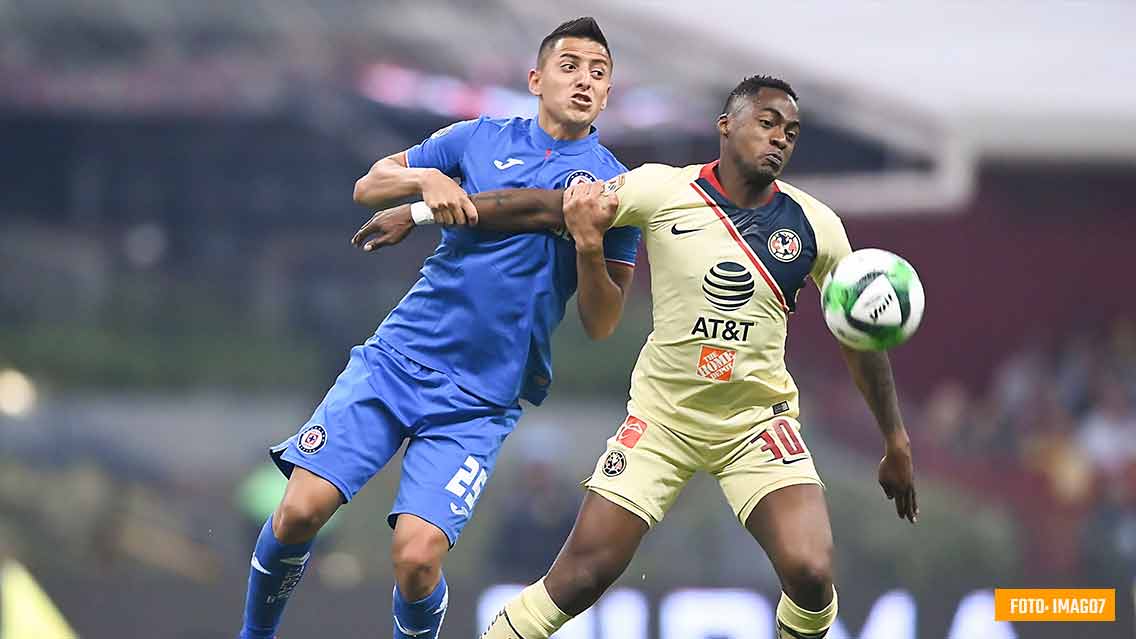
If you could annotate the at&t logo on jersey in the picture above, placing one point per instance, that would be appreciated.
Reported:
(729, 330)
(728, 286)
(579, 176)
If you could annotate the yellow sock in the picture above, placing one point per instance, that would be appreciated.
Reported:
(794, 622)
(530, 615)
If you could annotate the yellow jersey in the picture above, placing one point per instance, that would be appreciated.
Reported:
(723, 281)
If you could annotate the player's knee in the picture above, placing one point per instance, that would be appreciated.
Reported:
(296, 520)
(807, 578)
(582, 579)
(417, 559)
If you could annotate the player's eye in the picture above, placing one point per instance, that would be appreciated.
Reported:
(568, 66)
(598, 74)
(766, 123)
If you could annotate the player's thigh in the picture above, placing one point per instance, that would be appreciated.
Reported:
(645, 467)
(792, 526)
(752, 465)
(353, 432)
(448, 464)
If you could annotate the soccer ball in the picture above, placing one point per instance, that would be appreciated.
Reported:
(872, 300)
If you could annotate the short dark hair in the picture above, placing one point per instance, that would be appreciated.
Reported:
(749, 87)
(585, 27)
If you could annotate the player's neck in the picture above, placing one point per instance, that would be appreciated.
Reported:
(563, 131)
(742, 192)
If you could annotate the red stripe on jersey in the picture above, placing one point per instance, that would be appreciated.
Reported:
(708, 173)
(710, 176)
(745, 247)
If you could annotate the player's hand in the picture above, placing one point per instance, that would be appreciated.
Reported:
(447, 201)
(897, 478)
(387, 228)
(588, 213)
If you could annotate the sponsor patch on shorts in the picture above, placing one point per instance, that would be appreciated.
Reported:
(630, 432)
(716, 363)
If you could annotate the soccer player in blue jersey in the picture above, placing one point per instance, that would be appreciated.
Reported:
(449, 365)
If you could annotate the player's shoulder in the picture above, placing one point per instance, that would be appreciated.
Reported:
(816, 210)
(606, 159)
(498, 124)
(461, 126)
(665, 173)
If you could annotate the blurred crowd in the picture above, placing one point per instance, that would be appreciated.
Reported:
(1052, 436)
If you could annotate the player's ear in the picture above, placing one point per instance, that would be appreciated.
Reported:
(534, 82)
(603, 102)
(724, 125)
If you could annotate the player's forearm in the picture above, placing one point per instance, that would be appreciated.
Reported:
(388, 182)
(600, 298)
(871, 372)
(519, 210)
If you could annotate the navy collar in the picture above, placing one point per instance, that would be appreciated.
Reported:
(543, 140)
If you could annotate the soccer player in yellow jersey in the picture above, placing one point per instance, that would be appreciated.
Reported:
(730, 247)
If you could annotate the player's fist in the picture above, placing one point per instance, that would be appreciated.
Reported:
(385, 228)
(588, 213)
(897, 478)
(447, 201)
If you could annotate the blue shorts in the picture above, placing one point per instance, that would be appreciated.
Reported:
(383, 398)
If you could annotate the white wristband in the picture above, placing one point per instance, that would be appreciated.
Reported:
(421, 214)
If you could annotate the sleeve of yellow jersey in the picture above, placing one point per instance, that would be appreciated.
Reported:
(641, 193)
(832, 244)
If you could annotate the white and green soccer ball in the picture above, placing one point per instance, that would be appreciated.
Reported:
(872, 300)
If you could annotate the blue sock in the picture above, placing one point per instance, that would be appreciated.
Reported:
(276, 570)
(423, 618)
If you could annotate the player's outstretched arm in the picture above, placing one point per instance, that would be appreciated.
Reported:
(508, 210)
(871, 371)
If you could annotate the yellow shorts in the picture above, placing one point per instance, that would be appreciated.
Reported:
(646, 465)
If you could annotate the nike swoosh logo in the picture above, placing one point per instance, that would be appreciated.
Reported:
(675, 230)
(257, 567)
(410, 633)
(296, 561)
(511, 162)
(793, 461)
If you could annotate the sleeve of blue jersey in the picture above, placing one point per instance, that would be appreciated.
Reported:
(444, 149)
(621, 244)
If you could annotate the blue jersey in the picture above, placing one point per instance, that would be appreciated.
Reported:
(485, 307)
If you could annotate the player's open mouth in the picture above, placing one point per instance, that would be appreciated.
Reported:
(582, 100)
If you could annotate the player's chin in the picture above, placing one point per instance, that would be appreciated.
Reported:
(580, 115)
(764, 173)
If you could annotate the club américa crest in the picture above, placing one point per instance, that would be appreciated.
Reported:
(614, 464)
(784, 245)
